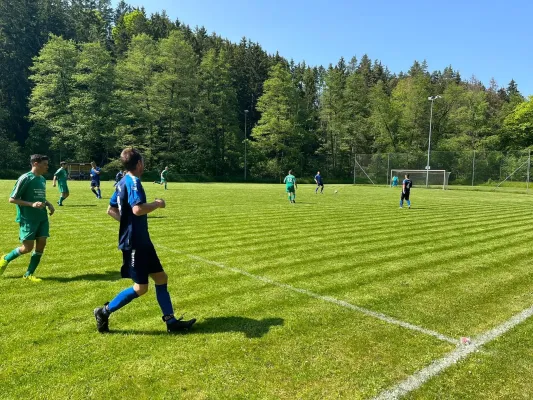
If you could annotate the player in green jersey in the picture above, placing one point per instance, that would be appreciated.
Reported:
(61, 177)
(29, 194)
(291, 186)
(164, 178)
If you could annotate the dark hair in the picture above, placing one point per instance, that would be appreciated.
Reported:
(130, 157)
(37, 158)
(290, 171)
(407, 175)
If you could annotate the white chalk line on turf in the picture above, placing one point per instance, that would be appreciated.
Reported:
(416, 380)
(328, 299)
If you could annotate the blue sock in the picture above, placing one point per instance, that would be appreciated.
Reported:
(408, 203)
(401, 203)
(123, 298)
(99, 193)
(163, 298)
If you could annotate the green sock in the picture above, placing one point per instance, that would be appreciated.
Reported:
(11, 256)
(165, 186)
(61, 200)
(34, 262)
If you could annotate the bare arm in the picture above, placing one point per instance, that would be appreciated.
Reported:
(51, 208)
(23, 203)
(114, 213)
(146, 208)
(54, 181)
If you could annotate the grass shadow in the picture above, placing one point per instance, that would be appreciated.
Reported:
(251, 328)
(156, 216)
(80, 205)
(107, 276)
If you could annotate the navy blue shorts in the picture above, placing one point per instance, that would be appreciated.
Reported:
(320, 184)
(139, 264)
(95, 183)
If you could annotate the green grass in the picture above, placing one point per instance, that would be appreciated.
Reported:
(457, 263)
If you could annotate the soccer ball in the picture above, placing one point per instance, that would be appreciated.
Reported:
(336, 191)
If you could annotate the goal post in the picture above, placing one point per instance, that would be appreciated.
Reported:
(435, 177)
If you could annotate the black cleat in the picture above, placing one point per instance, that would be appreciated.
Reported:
(180, 325)
(102, 320)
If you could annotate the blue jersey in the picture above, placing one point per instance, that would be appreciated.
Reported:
(94, 176)
(408, 184)
(133, 232)
(119, 176)
(318, 179)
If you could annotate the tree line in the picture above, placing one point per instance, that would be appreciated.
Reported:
(80, 80)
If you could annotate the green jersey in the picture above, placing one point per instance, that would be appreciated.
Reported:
(164, 174)
(30, 188)
(61, 175)
(289, 180)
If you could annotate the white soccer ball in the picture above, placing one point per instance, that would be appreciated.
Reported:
(336, 191)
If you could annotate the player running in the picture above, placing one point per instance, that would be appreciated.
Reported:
(95, 180)
(291, 186)
(128, 206)
(29, 194)
(319, 183)
(61, 177)
(164, 178)
(407, 184)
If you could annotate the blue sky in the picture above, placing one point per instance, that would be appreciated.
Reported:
(483, 38)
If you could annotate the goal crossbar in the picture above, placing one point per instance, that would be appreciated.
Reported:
(422, 176)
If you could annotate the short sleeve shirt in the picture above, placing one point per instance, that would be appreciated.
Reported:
(133, 231)
(318, 178)
(290, 180)
(61, 175)
(94, 176)
(30, 188)
(408, 183)
(164, 174)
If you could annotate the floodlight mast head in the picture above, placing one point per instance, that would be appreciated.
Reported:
(431, 98)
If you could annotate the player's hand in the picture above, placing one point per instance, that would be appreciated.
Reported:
(160, 203)
(51, 209)
(38, 204)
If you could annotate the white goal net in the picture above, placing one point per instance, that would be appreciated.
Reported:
(423, 178)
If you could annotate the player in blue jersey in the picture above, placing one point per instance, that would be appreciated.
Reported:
(319, 183)
(95, 180)
(128, 206)
(394, 181)
(119, 176)
(407, 184)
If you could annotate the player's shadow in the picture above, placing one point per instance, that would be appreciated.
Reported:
(81, 205)
(106, 276)
(156, 216)
(251, 328)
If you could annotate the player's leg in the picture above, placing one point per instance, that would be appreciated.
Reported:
(165, 185)
(93, 189)
(408, 200)
(40, 244)
(140, 287)
(98, 192)
(163, 298)
(401, 200)
(322, 189)
(27, 246)
(316, 190)
(293, 195)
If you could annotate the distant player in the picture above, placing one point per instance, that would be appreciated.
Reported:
(95, 180)
(406, 191)
(394, 181)
(29, 194)
(291, 186)
(164, 178)
(128, 206)
(319, 183)
(61, 177)
(119, 176)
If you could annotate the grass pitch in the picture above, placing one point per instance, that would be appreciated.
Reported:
(260, 275)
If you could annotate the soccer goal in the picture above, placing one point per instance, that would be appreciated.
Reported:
(419, 177)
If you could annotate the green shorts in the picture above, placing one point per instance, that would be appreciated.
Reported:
(63, 187)
(290, 189)
(163, 181)
(33, 230)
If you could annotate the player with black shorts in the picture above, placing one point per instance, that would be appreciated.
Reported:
(407, 184)
(128, 206)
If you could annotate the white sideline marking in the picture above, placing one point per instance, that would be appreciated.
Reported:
(328, 299)
(436, 367)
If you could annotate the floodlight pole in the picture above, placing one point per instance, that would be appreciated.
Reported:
(432, 99)
(245, 143)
